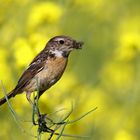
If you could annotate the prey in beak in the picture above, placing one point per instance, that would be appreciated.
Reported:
(77, 45)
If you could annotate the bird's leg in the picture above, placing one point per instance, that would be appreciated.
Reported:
(28, 96)
(34, 106)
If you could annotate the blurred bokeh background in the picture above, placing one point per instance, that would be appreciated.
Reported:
(105, 73)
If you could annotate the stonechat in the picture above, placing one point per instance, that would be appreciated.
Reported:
(46, 68)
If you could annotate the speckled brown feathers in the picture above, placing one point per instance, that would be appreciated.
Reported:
(49, 75)
(46, 68)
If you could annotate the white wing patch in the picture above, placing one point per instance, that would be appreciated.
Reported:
(40, 69)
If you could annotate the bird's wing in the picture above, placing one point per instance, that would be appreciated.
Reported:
(35, 67)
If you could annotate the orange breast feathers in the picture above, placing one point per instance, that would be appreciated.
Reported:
(55, 67)
(52, 72)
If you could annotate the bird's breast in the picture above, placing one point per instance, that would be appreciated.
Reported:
(52, 72)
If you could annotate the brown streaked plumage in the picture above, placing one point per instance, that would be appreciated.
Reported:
(46, 68)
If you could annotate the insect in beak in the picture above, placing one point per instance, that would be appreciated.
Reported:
(77, 45)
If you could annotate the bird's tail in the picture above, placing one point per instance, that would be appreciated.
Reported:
(3, 100)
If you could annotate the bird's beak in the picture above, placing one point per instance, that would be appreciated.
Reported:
(78, 45)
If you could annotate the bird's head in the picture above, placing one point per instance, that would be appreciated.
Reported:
(63, 45)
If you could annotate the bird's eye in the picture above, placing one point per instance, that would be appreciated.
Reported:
(61, 42)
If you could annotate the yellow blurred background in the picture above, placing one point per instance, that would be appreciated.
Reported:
(105, 73)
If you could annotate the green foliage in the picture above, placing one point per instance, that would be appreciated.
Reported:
(105, 73)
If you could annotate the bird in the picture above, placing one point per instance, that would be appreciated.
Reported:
(46, 68)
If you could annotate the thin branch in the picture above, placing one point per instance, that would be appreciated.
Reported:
(84, 115)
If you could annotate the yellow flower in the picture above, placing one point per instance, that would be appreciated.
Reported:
(23, 53)
(45, 12)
